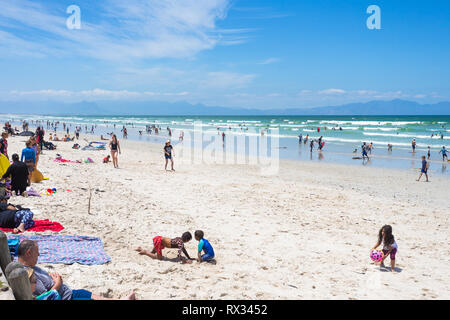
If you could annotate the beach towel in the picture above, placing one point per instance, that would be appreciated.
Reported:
(32, 192)
(61, 160)
(41, 225)
(67, 249)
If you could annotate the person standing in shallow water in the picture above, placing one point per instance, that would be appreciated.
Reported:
(114, 146)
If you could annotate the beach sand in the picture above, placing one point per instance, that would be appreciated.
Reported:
(304, 233)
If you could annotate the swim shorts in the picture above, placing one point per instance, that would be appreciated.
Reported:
(81, 295)
(207, 257)
(157, 244)
(30, 164)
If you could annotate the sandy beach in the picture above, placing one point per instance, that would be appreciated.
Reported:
(304, 233)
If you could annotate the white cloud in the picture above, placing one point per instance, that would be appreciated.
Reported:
(118, 29)
(332, 91)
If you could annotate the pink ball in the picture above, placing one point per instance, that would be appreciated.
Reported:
(376, 255)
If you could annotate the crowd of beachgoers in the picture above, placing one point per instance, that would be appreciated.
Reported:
(20, 173)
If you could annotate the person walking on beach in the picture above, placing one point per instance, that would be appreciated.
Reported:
(413, 145)
(311, 145)
(370, 147)
(320, 143)
(300, 138)
(424, 169)
(114, 146)
(168, 154)
(444, 153)
(29, 155)
(364, 151)
(429, 153)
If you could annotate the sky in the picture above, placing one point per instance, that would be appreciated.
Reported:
(261, 54)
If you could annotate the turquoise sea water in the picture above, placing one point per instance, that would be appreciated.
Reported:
(433, 131)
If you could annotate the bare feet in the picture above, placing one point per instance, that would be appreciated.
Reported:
(131, 296)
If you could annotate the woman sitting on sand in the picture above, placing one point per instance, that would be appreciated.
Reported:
(115, 147)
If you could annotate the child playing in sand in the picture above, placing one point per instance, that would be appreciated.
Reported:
(390, 247)
(107, 159)
(205, 246)
(160, 243)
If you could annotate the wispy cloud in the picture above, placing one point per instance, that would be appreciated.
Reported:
(269, 61)
(91, 95)
(331, 91)
(115, 30)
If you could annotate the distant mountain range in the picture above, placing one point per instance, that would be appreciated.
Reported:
(159, 108)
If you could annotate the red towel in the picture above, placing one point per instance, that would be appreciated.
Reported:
(41, 225)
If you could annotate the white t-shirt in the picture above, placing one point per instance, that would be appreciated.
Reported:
(394, 246)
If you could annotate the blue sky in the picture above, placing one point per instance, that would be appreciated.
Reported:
(237, 53)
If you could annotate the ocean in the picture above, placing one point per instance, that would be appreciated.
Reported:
(341, 134)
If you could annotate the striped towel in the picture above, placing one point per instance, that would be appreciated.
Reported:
(68, 249)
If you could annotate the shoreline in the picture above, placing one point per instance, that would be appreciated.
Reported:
(389, 160)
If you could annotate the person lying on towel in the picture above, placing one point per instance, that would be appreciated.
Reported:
(15, 217)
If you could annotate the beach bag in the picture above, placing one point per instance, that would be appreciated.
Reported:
(76, 146)
(13, 245)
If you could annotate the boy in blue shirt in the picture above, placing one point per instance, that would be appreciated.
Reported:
(203, 245)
